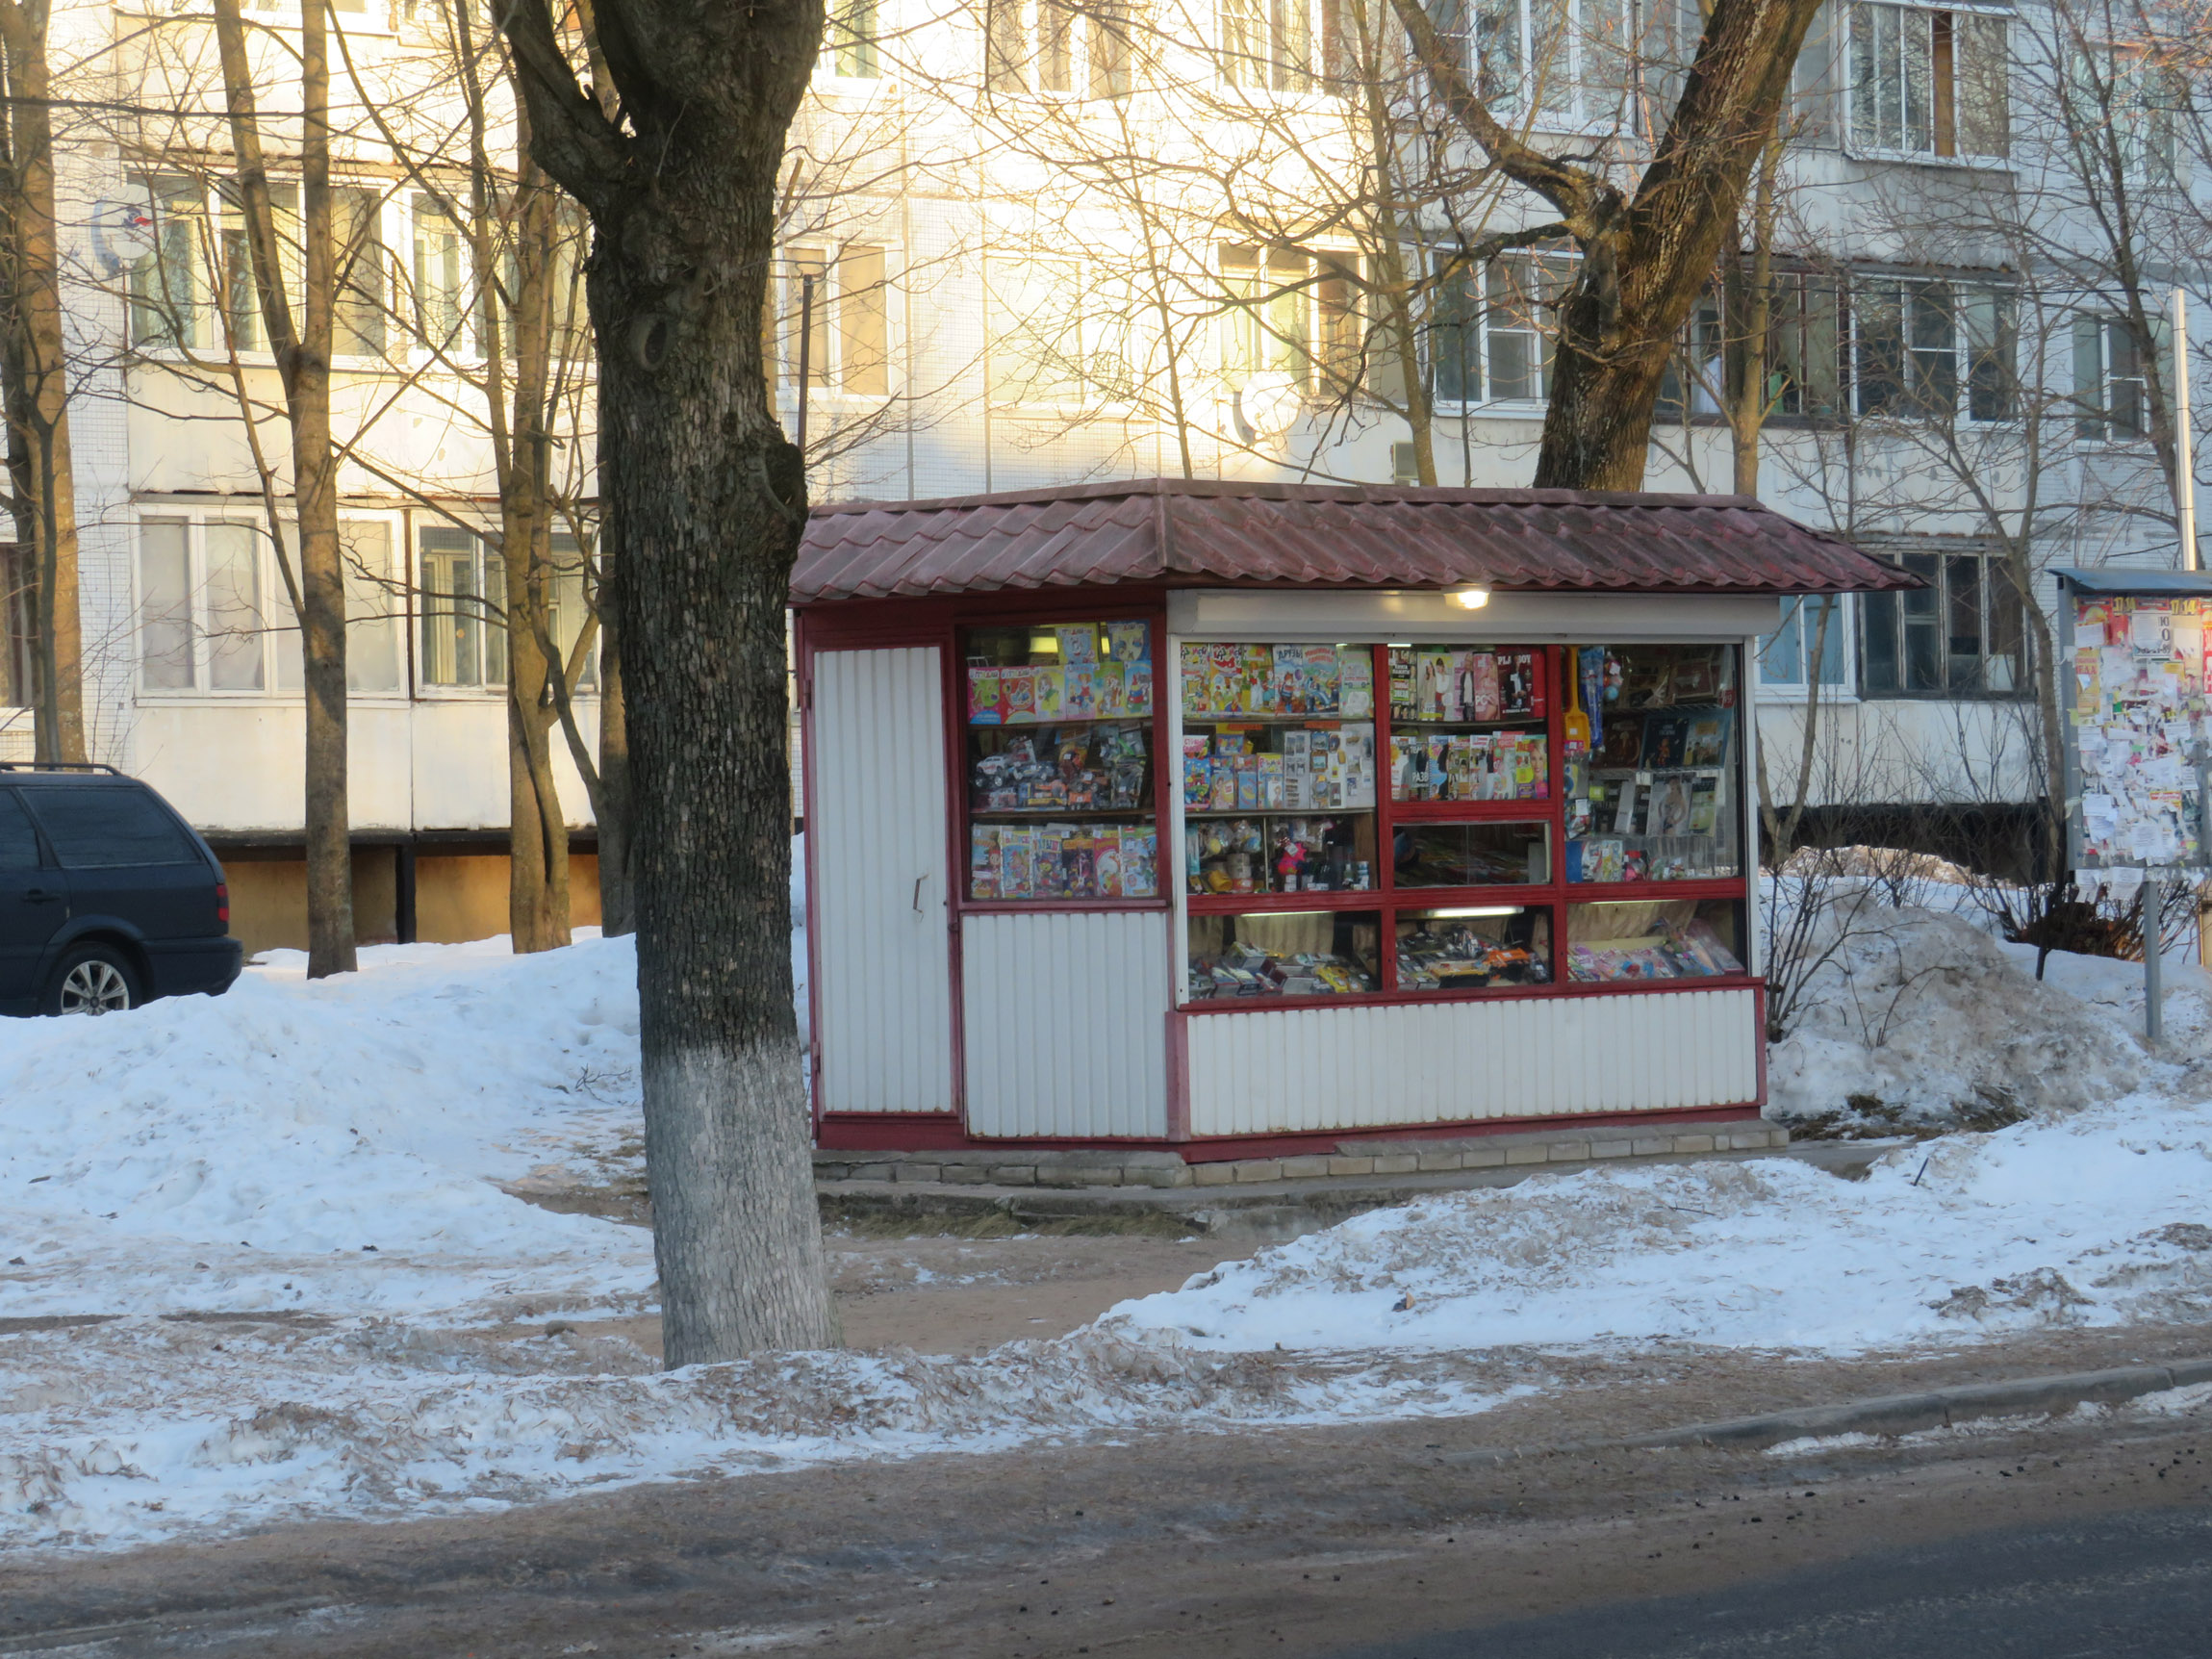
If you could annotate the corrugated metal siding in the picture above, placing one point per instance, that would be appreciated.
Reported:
(1439, 1063)
(882, 969)
(1066, 1023)
(1179, 531)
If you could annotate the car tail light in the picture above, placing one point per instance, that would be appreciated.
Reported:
(222, 903)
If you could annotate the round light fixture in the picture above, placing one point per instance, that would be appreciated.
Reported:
(1470, 599)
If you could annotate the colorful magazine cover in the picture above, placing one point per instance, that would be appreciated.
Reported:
(1704, 743)
(1014, 849)
(984, 862)
(986, 702)
(1129, 642)
(1019, 693)
(1079, 644)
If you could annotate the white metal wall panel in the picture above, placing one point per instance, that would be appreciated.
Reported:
(1065, 1023)
(1255, 1072)
(882, 959)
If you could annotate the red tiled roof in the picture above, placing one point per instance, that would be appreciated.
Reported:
(1205, 534)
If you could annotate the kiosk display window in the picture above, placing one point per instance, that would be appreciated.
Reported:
(1655, 797)
(1059, 763)
(1285, 954)
(1499, 811)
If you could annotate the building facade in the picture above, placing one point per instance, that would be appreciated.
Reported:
(1028, 244)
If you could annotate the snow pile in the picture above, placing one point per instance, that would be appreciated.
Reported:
(2098, 1217)
(358, 1426)
(330, 1145)
(1916, 1017)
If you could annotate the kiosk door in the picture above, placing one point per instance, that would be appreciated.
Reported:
(881, 945)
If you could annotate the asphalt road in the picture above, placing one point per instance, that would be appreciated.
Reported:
(2131, 1586)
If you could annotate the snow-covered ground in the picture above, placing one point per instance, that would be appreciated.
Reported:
(336, 1159)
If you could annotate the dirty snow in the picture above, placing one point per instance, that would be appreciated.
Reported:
(263, 1256)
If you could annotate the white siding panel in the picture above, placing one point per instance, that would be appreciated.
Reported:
(1366, 1066)
(882, 959)
(1065, 1023)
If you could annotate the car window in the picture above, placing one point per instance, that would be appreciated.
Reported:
(18, 841)
(94, 828)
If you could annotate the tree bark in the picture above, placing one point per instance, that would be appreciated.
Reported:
(1646, 258)
(304, 363)
(705, 502)
(618, 889)
(33, 360)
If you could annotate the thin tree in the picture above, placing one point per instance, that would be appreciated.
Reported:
(302, 353)
(35, 389)
(1646, 256)
(704, 500)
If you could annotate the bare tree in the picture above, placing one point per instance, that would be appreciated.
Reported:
(705, 501)
(39, 581)
(1647, 255)
(302, 353)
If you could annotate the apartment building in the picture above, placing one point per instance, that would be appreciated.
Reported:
(1028, 243)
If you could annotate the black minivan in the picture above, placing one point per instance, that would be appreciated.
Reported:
(108, 899)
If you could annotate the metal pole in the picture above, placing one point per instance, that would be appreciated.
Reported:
(2153, 991)
(2184, 467)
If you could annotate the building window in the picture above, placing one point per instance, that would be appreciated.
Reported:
(1267, 45)
(1497, 347)
(2111, 395)
(850, 42)
(1268, 326)
(1929, 83)
(165, 293)
(1813, 626)
(463, 625)
(1059, 46)
(1569, 59)
(2124, 105)
(1915, 346)
(357, 236)
(201, 621)
(1963, 635)
(1804, 368)
(442, 306)
(847, 343)
(568, 598)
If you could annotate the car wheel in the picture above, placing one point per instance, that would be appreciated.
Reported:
(92, 980)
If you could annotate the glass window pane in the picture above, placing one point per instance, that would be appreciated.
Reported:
(1036, 344)
(440, 300)
(1963, 621)
(165, 281)
(371, 607)
(863, 349)
(1061, 802)
(2006, 653)
(1293, 954)
(1473, 947)
(290, 662)
(18, 842)
(357, 319)
(1782, 653)
(1658, 799)
(1984, 93)
(1881, 647)
(452, 620)
(1654, 939)
(1470, 855)
(165, 605)
(234, 610)
(1830, 646)
(98, 826)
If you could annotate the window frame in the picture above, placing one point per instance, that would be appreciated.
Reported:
(1914, 298)
(1801, 619)
(2099, 415)
(1527, 97)
(1927, 612)
(1942, 96)
(828, 365)
(1545, 271)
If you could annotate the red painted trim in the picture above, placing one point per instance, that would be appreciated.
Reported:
(939, 1132)
(1535, 810)
(1760, 1006)
(1498, 993)
(1178, 1076)
(1254, 903)
(953, 722)
(1713, 888)
(1222, 1149)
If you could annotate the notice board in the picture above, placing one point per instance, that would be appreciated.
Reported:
(2136, 716)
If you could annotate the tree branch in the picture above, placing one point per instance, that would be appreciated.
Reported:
(574, 140)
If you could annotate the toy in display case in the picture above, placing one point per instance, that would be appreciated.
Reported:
(1653, 939)
(1307, 954)
(1060, 769)
(1458, 951)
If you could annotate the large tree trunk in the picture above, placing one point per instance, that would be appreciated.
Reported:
(303, 362)
(704, 500)
(34, 358)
